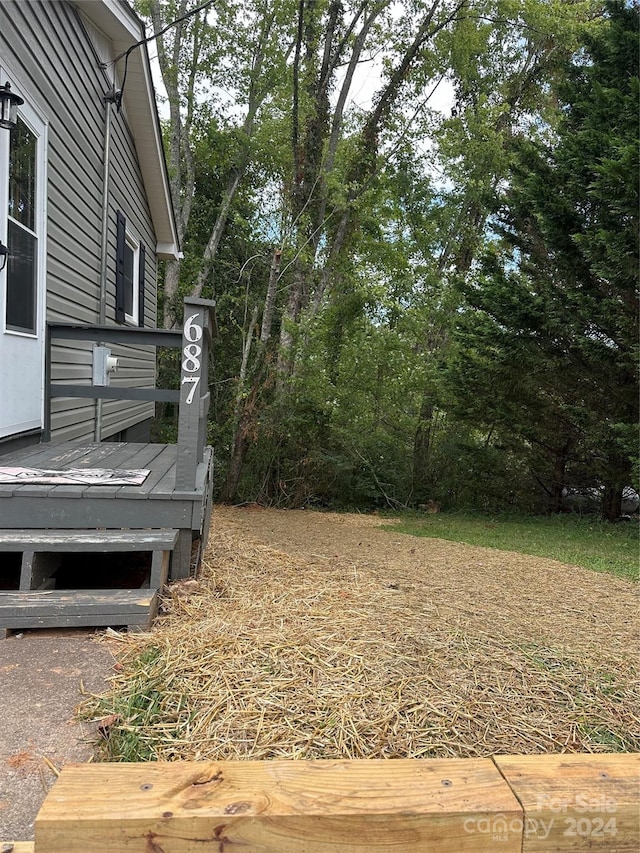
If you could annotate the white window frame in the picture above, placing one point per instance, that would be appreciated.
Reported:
(133, 244)
(38, 127)
(22, 353)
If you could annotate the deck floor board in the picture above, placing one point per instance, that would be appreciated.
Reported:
(166, 485)
(155, 484)
(65, 506)
(147, 456)
(47, 455)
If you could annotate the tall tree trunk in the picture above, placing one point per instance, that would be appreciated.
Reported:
(181, 91)
(612, 502)
(364, 165)
(619, 469)
(242, 418)
(420, 480)
(170, 309)
(246, 351)
(240, 447)
(315, 145)
(559, 476)
(270, 298)
(246, 403)
(209, 254)
(295, 303)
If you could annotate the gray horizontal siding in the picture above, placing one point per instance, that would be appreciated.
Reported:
(68, 414)
(71, 363)
(49, 50)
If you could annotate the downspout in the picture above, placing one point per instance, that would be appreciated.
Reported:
(109, 99)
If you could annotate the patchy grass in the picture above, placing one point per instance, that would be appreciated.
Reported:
(139, 708)
(612, 548)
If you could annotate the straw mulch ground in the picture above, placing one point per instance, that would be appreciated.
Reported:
(321, 635)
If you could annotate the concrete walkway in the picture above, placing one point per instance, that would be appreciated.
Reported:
(40, 682)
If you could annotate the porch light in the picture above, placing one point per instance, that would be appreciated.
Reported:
(8, 107)
(4, 254)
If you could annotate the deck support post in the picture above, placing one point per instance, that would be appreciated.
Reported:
(181, 560)
(194, 390)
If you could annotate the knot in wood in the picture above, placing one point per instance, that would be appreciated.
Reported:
(237, 808)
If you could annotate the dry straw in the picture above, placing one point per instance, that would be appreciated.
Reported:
(271, 656)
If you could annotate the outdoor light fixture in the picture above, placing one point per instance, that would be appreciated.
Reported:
(4, 254)
(8, 107)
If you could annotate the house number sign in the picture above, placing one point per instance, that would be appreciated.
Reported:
(191, 360)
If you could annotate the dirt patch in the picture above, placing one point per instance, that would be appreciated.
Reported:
(321, 635)
(25, 759)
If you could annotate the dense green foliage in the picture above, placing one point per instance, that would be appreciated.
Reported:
(414, 303)
(550, 327)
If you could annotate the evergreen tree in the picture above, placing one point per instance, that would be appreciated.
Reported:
(548, 343)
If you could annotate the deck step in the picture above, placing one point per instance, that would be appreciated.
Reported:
(163, 539)
(134, 608)
(41, 550)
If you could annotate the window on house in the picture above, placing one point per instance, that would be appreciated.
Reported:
(22, 239)
(131, 258)
(130, 271)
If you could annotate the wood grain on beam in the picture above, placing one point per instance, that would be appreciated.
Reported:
(395, 806)
(577, 802)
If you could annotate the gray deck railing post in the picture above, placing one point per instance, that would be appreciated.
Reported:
(46, 427)
(194, 390)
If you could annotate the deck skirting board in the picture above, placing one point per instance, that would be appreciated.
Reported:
(57, 513)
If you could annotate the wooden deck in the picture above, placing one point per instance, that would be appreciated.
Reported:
(154, 504)
(165, 515)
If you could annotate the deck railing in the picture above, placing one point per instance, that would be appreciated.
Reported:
(192, 397)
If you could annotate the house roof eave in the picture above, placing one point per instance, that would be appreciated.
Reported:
(118, 21)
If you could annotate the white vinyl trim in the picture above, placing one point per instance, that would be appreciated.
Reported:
(22, 354)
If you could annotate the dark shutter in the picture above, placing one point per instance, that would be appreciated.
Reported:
(141, 263)
(120, 247)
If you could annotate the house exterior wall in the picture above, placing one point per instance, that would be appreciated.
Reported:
(50, 52)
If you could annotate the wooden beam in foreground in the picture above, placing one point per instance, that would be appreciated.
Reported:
(395, 806)
(513, 804)
(577, 802)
